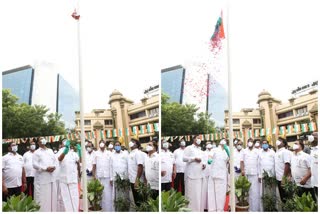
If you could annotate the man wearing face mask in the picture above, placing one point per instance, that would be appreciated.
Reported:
(257, 145)
(89, 160)
(207, 154)
(102, 171)
(301, 168)
(152, 169)
(68, 194)
(180, 167)
(119, 166)
(110, 147)
(193, 175)
(266, 163)
(237, 154)
(30, 171)
(249, 168)
(45, 189)
(313, 139)
(135, 166)
(168, 167)
(282, 165)
(13, 173)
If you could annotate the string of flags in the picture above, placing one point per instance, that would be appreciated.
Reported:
(102, 134)
(251, 133)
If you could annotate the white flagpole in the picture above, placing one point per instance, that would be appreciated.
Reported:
(82, 134)
(232, 186)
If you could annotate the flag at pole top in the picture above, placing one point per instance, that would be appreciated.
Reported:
(218, 33)
(75, 15)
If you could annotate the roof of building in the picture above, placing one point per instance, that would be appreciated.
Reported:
(246, 123)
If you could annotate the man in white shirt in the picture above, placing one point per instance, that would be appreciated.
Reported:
(249, 168)
(152, 169)
(193, 156)
(180, 167)
(168, 167)
(45, 188)
(208, 153)
(237, 155)
(301, 168)
(89, 160)
(135, 166)
(282, 165)
(30, 171)
(102, 171)
(313, 139)
(13, 173)
(68, 193)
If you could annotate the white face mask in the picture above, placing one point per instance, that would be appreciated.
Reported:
(32, 147)
(149, 148)
(101, 145)
(214, 146)
(131, 144)
(209, 146)
(295, 146)
(15, 148)
(235, 142)
(89, 149)
(55, 151)
(223, 142)
(43, 142)
(183, 143)
(278, 142)
(110, 146)
(198, 141)
(310, 138)
(239, 147)
(165, 145)
(250, 144)
(64, 142)
(257, 144)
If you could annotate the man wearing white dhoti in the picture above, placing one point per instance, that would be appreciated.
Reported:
(208, 153)
(249, 168)
(45, 189)
(217, 181)
(193, 175)
(68, 193)
(103, 172)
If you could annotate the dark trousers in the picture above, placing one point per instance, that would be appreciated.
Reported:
(165, 186)
(179, 181)
(136, 197)
(316, 192)
(12, 191)
(282, 192)
(302, 190)
(30, 187)
(154, 194)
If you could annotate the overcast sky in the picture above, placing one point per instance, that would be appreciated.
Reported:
(274, 45)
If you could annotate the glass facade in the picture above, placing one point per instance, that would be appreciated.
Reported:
(20, 83)
(172, 80)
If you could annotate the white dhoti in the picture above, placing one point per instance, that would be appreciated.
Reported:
(46, 196)
(68, 197)
(217, 189)
(193, 192)
(254, 194)
(107, 202)
(204, 197)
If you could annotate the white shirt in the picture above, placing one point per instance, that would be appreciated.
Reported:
(68, 168)
(89, 160)
(237, 157)
(178, 160)
(28, 167)
(12, 170)
(119, 165)
(103, 164)
(218, 167)
(314, 166)
(152, 170)
(206, 156)
(136, 157)
(250, 160)
(42, 159)
(167, 161)
(300, 163)
(267, 162)
(282, 157)
(193, 168)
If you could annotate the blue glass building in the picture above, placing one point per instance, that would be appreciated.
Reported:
(172, 82)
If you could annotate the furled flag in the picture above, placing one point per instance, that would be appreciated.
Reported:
(256, 133)
(262, 133)
(88, 135)
(289, 129)
(150, 128)
(101, 134)
(312, 126)
(92, 135)
(109, 135)
(114, 133)
(75, 15)
(304, 127)
(297, 128)
(156, 127)
(268, 131)
(121, 132)
(135, 130)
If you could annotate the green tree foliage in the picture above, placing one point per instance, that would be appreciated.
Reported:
(23, 120)
(177, 119)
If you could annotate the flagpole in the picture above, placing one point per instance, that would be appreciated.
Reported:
(232, 186)
(82, 134)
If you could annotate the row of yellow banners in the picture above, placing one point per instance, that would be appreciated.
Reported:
(102, 134)
(282, 130)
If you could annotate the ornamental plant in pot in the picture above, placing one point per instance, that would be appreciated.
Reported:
(242, 186)
(95, 190)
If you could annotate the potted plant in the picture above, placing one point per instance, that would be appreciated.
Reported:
(305, 203)
(173, 201)
(20, 203)
(121, 194)
(242, 186)
(269, 199)
(95, 190)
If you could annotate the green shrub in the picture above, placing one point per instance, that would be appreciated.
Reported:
(173, 201)
(20, 203)
(95, 190)
(242, 186)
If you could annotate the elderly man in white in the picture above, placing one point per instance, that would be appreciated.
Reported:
(180, 167)
(193, 156)
(207, 154)
(313, 139)
(30, 171)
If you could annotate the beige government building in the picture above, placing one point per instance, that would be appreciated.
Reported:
(273, 113)
(123, 113)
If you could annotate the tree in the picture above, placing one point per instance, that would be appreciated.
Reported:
(22, 120)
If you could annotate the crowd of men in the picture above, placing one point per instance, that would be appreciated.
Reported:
(53, 178)
(204, 176)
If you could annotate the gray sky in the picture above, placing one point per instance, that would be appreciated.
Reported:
(274, 45)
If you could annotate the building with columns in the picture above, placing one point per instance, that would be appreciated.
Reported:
(122, 113)
(272, 113)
